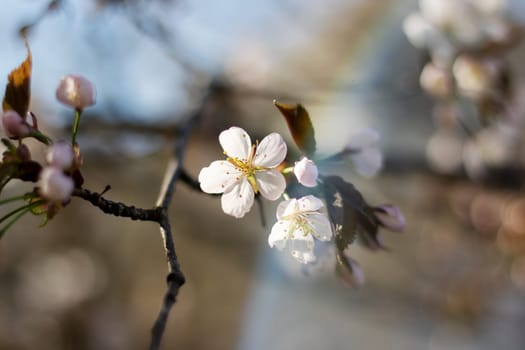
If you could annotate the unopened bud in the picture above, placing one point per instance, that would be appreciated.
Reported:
(60, 155)
(306, 172)
(390, 217)
(76, 91)
(435, 81)
(14, 125)
(474, 77)
(55, 185)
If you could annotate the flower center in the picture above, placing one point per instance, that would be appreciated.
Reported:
(247, 168)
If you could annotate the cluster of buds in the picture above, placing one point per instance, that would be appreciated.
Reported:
(467, 73)
(314, 204)
(59, 174)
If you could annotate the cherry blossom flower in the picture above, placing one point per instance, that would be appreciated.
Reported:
(14, 125)
(60, 155)
(306, 172)
(76, 91)
(299, 222)
(364, 152)
(248, 169)
(55, 185)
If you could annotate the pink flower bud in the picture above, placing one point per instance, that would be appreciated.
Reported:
(306, 172)
(76, 91)
(353, 277)
(55, 185)
(14, 125)
(390, 217)
(60, 155)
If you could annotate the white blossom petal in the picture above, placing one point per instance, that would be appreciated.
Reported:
(236, 142)
(239, 200)
(368, 162)
(271, 151)
(286, 208)
(279, 234)
(321, 227)
(271, 183)
(309, 203)
(218, 177)
(302, 248)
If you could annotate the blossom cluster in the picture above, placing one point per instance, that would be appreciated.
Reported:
(59, 174)
(467, 74)
(261, 168)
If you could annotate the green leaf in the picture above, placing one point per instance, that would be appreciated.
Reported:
(350, 214)
(300, 126)
(18, 89)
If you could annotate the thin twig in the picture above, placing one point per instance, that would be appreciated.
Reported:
(174, 172)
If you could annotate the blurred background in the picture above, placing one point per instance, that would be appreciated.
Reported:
(454, 280)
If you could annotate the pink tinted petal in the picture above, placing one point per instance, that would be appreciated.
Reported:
(306, 172)
(310, 203)
(271, 151)
(368, 162)
(218, 177)
(279, 234)
(239, 200)
(236, 142)
(321, 227)
(271, 183)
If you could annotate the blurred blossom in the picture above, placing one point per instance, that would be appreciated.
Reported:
(55, 185)
(514, 217)
(306, 172)
(444, 151)
(485, 212)
(364, 152)
(60, 155)
(473, 76)
(491, 147)
(445, 27)
(62, 280)
(352, 278)
(76, 91)
(14, 125)
(435, 81)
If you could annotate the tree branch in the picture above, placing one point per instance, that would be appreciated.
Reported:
(117, 208)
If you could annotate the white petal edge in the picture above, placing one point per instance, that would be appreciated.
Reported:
(239, 200)
(271, 183)
(278, 235)
(321, 227)
(236, 142)
(368, 162)
(218, 177)
(310, 203)
(271, 151)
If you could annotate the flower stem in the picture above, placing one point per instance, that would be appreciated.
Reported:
(16, 198)
(287, 170)
(18, 213)
(76, 123)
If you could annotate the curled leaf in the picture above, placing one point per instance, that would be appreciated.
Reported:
(18, 88)
(300, 126)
